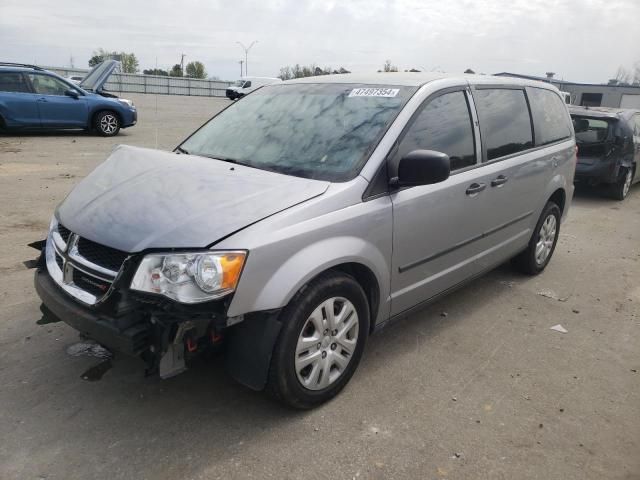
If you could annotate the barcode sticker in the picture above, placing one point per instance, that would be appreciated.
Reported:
(374, 92)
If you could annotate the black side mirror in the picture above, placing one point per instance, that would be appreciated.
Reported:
(422, 167)
(72, 93)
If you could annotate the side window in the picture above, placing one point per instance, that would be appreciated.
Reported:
(13, 82)
(443, 125)
(46, 85)
(504, 121)
(247, 84)
(550, 117)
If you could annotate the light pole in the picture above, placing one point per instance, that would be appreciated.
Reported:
(246, 55)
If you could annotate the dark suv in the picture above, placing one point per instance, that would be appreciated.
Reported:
(608, 142)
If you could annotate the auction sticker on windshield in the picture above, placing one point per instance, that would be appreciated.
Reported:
(374, 92)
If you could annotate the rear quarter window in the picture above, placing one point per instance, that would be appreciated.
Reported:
(550, 117)
(505, 124)
(13, 82)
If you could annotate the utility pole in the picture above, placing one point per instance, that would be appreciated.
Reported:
(182, 63)
(246, 55)
(241, 62)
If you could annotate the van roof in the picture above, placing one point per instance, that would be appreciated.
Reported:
(417, 79)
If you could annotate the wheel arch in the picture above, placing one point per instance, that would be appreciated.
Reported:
(359, 258)
(559, 197)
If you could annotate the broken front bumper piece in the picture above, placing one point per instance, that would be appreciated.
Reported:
(164, 339)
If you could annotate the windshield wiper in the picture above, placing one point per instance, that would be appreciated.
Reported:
(222, 159)
(182, 150)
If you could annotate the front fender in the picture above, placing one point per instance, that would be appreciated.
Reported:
(306, 264)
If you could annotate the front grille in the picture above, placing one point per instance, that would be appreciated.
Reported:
(64, 233)
(101, 255)
(89, 283)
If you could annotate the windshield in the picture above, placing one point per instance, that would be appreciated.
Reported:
(321, 131)
(239, 83)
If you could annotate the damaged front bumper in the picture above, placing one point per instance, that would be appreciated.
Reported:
(164, 337)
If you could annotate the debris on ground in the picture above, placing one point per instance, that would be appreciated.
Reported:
(507, 284)
(89, 349)
(575, 310)
(559, 328)
(552, 295)
(443, 314)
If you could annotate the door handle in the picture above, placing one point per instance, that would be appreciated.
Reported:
(475, 188)
(499, 181)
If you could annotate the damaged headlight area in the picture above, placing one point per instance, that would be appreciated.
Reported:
(190, 277)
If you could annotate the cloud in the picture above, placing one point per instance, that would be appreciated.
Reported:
(574, 38)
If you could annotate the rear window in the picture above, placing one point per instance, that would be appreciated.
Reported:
(504, 121)
(592, 135)
(13, 82)
(550, 117)
(591, 130)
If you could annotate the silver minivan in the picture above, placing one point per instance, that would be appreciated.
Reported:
(306, 216)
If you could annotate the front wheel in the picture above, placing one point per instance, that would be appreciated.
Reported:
(324, 332)
(543, 242)
(107, 124)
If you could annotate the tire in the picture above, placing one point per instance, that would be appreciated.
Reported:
(106, 123)
(529, 261)
(620, 189)
(308, 366)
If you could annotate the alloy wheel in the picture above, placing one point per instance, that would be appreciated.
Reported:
(108, 123)
(627, 183)
(546, 237)
(326, 343)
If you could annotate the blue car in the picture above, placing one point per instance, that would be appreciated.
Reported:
(32, 98)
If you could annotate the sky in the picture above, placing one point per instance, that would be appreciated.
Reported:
(579, 40)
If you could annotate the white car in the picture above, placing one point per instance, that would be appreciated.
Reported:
(75, 79)
(247, 85)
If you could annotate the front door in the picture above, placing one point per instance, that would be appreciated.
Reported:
(436, 227)
(56, 109)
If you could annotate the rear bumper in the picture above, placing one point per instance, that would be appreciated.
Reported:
(131, 341)
(596, 171)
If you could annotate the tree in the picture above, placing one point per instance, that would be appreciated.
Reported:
(196, 70)
(297, 71)
(176, 71)
(623, 76)
(128, 61)
(155, 71)
(387, 67)
(468, 70)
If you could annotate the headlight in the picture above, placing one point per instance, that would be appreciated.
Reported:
(128, 103)
(190, 277)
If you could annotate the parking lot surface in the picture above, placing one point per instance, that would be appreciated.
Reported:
(475, 386)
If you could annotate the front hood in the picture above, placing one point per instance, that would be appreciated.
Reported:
(98, 76)
(141, 198)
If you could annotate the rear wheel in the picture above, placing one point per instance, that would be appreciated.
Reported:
(543, 242)
(324, 331)
(106, 123)
(620, 189)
